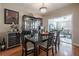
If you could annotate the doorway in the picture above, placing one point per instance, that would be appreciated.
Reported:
(63, 23)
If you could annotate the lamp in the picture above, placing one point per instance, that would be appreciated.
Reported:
(43, 9)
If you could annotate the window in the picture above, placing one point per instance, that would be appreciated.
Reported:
(60, 23)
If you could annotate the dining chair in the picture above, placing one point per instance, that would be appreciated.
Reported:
(27, 47)
(47, 44)
(56, 40)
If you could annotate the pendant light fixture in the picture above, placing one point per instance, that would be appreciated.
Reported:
(43, 9)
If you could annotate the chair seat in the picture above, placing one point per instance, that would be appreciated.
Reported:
(29, 46)
(29, 49)
(44, 44)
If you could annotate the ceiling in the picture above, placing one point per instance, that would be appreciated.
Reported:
(34, 7)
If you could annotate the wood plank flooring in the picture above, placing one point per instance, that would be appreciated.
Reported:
(65, 50)
(12, 52)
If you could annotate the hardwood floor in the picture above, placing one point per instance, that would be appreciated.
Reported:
(12, 52)
(65, 50)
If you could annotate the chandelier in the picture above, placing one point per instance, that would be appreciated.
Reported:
(43, 9)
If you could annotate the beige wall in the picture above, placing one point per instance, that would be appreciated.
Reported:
(70, 9)
(13, 6)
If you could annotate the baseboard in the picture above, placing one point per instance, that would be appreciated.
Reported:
(75, 44)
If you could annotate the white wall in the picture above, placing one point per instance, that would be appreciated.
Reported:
(70, 9)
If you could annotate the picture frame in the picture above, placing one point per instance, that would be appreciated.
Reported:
(11, 16)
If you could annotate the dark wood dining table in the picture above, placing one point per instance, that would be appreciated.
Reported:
(36, 41)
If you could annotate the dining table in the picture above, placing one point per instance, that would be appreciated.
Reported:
(36, 40)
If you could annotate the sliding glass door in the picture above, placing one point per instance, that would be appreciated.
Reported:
(63, 23)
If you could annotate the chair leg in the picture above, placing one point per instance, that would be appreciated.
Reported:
(25, 53)
(39, 50)
(47, 52)
(22, 52)
(58, 47)
(55, 48)
(59, 44)
(34, 52)
(52, 51)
